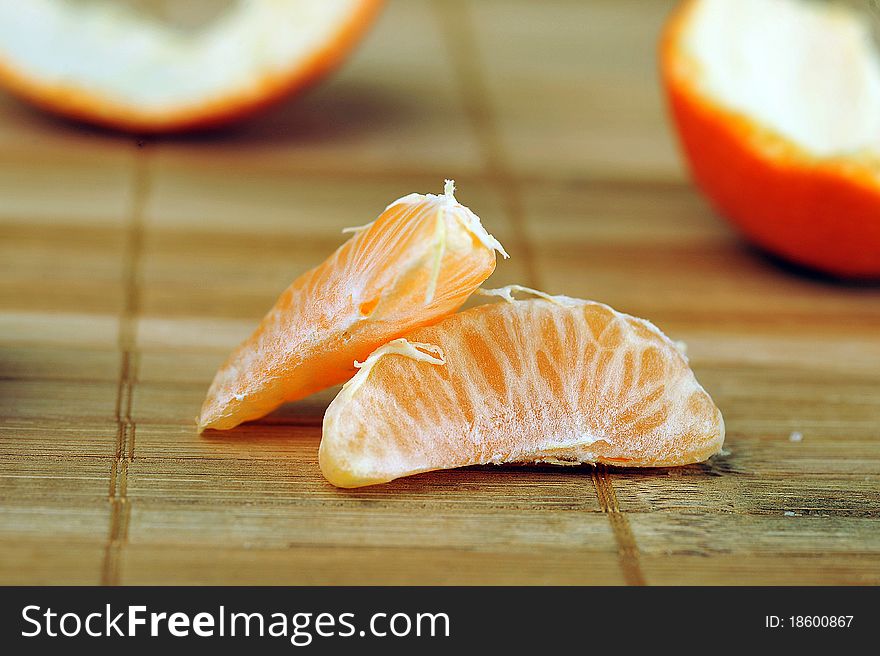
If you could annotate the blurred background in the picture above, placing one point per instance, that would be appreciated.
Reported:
(131, 265)
(531, 109)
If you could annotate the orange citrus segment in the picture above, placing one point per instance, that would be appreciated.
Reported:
(777, 107)
(419, 261)
(554, 380)
(105, 63)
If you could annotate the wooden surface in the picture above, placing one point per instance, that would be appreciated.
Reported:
(130, 269)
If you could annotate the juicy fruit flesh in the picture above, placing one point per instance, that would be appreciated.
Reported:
(419, 261)
(561, 381)
(809, 71)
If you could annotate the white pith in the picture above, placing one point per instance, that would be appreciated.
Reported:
(508, 291)
(110, 51)
(447, 202)
(418, 351)
(808, 70)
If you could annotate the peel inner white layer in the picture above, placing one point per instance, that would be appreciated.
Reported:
(808, 70)
(108, 49)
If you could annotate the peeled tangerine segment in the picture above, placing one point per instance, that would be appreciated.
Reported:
(548, 380)
(419, 261)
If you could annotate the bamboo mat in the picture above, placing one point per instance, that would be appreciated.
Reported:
(130, 269)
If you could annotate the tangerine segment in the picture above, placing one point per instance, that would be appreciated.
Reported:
(105, 63)
(777, 108)
(549, 380)
(419, 261)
